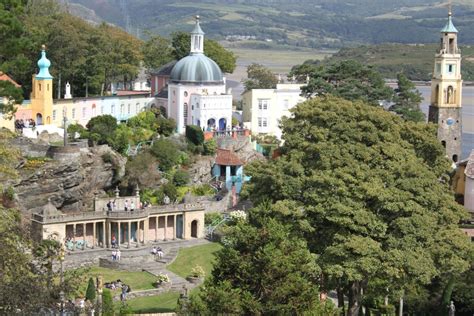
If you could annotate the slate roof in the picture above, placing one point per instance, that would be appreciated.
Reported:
(225, 157)
(164, 70)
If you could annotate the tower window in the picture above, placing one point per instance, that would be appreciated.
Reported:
(54, 115)
(443, 142)
(455, 158)
(73, 113)
(39, 87)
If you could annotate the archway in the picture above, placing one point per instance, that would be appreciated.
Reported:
(437, 94)
(39, 119)
(211, 123)
(163, 111)
(222, 124)
(194, 228)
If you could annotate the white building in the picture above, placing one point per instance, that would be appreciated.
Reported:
(196, 90)
(264, 108)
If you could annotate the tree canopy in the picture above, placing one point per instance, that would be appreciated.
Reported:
(259, 77)
(347, 79)
(373, 191)
(407, 100)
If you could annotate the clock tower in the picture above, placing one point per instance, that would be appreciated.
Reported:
(446, 92)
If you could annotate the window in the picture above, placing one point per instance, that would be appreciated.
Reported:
(122, 108)
(185, 110)
(40, 87)
(102, 109)
(112, 109)
(286, 104)
(185, 93)
(263, 104)
(73, 114)
(438, 68)
(83, 112)
(262, 122)
(451, 68)
(137, 107)
(54, 115)
(129, 109)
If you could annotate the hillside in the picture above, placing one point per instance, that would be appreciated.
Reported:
(416, 61)
(310, 23)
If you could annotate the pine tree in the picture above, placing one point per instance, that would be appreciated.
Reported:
(90, 292)
(407, 100)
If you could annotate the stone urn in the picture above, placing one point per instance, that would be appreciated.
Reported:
(193, 279)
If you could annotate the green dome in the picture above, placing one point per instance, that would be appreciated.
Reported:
(197, 69)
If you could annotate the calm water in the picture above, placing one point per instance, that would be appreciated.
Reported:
(467, 115)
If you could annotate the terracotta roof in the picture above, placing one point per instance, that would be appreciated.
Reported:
(129, 92)
(469, 172)
(5, 77)
(227, 158)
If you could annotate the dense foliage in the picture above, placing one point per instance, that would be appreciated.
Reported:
(259, 77)
(367, 190)
(407, 100)
(348, 79)
(263, 269)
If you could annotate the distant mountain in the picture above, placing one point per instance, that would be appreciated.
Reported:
(311, 23)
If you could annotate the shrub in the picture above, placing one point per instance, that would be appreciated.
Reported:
(194, 134)
(167, 126)
(197, 272)
(181, 178)
(210, 147)
(102, 129)
(210, 218)
(90, 292)
(162, 278)
(203, 190)
(169, 190)
(107, 303)
(74, 129)
(167, 153)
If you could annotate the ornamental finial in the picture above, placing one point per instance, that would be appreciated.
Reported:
(43, 47)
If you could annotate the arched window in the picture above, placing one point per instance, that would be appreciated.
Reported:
(437, 95)
(112, 109)
(443, 142)
(129, 109)
(455, 158)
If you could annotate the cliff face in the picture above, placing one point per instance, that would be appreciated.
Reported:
(70, 183)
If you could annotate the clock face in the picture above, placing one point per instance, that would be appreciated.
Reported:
(450, 121)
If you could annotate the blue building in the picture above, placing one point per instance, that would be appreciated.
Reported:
(229, 169)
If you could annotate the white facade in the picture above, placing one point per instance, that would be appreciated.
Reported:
(264, 108)
(197, 104)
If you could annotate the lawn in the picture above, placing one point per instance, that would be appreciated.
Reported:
(189, 257)
(136, 280)
(163, 303)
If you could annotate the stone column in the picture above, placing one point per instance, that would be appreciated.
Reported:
(166, 224)
(129, 232)
(74, 236)
(109, 234)
(83, 236)
(145, 230)
(156, 227)
(103, 234)
(118, 240)
(93, 234)
(174, 227)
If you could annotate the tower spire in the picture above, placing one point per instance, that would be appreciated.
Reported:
(197, 38)
(43, 65)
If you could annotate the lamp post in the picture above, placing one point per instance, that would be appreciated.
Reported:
(61, 279)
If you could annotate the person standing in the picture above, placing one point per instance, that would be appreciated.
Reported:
(132, 206)
(126, 205)
(119, 253)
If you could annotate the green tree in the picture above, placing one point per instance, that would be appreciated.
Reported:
(10, 96)
(107, 303)
(194, 134)
(226, 60)
(263, 269)
(372, 196)
(102, 129)
(167, 126)
(90, 292)
(259, 77)
(157, 51)
(74, 129)
(166, 153)
(407, 100)
(347, 79)
(210, 147)
(181, 177)
(8, 157)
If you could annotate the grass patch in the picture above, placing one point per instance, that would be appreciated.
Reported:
(189, 257)
(163, 303)
(136, 280)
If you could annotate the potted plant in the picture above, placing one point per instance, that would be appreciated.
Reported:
(197, 273)
(161, 279)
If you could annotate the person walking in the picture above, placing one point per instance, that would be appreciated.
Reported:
(132, 206)
(119, 253)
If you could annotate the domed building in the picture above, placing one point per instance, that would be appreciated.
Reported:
(196, 90)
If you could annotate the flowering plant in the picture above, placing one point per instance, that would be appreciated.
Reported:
(162, 278)
(197, 272)
(238, 216)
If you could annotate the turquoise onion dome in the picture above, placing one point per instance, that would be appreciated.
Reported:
(449, 27)
(44, 65)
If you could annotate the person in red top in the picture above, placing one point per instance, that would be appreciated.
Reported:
(114, 241)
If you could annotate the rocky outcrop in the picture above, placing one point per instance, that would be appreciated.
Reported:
(70, 184)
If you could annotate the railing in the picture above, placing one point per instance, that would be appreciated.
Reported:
(84, 216)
